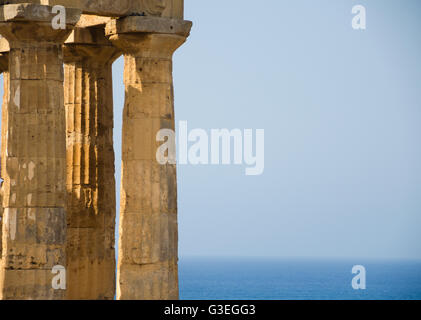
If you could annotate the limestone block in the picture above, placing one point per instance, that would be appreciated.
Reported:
(35, 64)
(91, 20)
(35, 238)
(149, 24)
(147, 128)
(95, 273)
(148, 282)
(155, 102)
(153, 238)
(34, 183)
(113, 8)
(152, 187)
(151, 71)
(29, 284)
(27, 11)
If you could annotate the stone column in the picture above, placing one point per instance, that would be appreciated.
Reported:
(4, 69)
(34, 219)
(148, 244)
(88, 57)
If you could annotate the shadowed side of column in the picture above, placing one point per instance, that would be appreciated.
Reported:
(90, 165)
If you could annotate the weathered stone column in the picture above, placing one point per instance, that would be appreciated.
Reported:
(148, 244)
(34, 225)
(88, 57)
(4, 69)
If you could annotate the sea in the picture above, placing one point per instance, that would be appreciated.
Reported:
(205, 278)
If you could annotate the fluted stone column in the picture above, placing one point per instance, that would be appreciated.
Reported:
(4, 69)
(88, 57)
(148, 244)
(34, 219)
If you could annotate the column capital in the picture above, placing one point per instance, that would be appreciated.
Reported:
(89, 45)
(27, 22)
(144, 36)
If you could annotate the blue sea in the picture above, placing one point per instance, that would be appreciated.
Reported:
(296, 279)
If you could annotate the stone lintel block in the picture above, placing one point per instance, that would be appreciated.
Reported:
(94, 35)
(28, 22)
(91, 58)
(117, 8)
(92, 20)
(147, 24)
(35, 12)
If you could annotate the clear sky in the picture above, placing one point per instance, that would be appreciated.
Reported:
(341, 110)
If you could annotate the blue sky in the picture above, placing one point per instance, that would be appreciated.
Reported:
(341, 112)
(340, 108)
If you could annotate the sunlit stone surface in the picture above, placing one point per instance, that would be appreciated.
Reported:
(57, 154)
